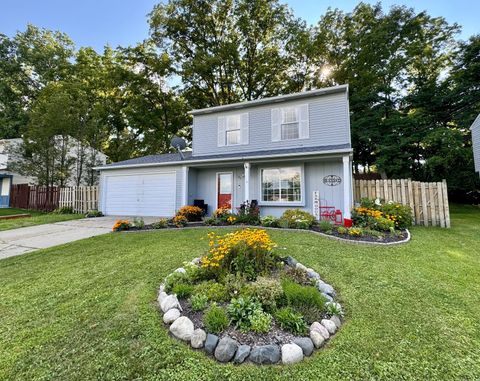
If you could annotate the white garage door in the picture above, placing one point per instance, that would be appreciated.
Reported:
(140, 194)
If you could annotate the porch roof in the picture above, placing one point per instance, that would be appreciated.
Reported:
(176, 158)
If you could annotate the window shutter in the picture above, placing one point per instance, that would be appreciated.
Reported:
(221, 131)
(244, 126)
(276, 124)
(303, 121)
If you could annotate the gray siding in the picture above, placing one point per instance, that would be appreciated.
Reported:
(328, 125)
(476, 142)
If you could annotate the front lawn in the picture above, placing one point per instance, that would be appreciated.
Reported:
(37, 218)
(86, 310)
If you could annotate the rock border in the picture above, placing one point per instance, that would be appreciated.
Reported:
(226, 349)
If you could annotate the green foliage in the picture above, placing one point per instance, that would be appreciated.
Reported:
(246, 214)
(162, 223)
(299, 296)
(215, 319)
(291, 321)
(93, 213)
(296, 219)
(216, 292)
(212, 221)
(241, 309)
(182, 290)
(384, 224)
(199, 302)
(325, 226)
(260, 321)
(267, 291)
(269, 221)
(297, 276)
(372, 233)
(333, 309)
(138, 222)
(355, 232)
(174, 279)
(63, 210)
(342, 230)
(402, 214)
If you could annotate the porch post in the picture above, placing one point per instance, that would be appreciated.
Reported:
(185, 185)
(246, 166)
(347, 189)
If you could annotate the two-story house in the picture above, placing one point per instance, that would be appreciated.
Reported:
(475, 128)
(290, 151)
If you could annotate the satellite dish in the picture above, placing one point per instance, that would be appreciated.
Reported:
(178, 144)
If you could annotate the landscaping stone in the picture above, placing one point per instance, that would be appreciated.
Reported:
(196, 261)
(337, 305)
(336, 320)
(182, 328)
(180, 270)
(306, 344)
(161, 288)
(326, 288)
(311, 273)
(211, 343)
(161, 297)
(198, 338)
(328, 297)
(242, 353)
(265, 354)
(171, 315)
(329, 325)
(291, 354)
(292, 262)
(317, 338)
(301, 267)
(226, 349)
(316, 326)
(170, 302)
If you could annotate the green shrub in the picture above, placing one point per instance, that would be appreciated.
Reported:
(139, 223)
(240, 310)
(325, 226)
(212, 221)
(267, 291)
(342, 230)
(93, 213)
(373, 233)
(162, 223)
(182, 290)
(63, 210)
(296, 219)
(174, 279)
(216, 292)
(302, 296)
(269, 221)
(310, 313)
(199, 302)
(298, 276)
(234, 283)
(384, 224)
(332, 308)
(401, 214)
(260, 321)
(248, 214)
(291, 321)
(215, 319)
(355, 232)
(191, 213)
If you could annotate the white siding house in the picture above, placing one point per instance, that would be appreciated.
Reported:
(476, 142)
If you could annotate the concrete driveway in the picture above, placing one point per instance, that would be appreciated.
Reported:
(23, 240)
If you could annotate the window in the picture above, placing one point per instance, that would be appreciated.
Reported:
(282, 185)
(233, 137)
(290, 128)
(233, 130)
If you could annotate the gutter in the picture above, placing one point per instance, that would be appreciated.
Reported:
(238, 158)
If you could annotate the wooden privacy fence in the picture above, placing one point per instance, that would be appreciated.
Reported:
(80, 199)
(429, 201)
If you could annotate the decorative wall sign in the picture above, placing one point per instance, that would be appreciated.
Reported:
(332, 180)
(316, 205)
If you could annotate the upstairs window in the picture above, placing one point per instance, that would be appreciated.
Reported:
(233, 130)
(290, 123)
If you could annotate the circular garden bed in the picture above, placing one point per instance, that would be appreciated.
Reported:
(243, 302)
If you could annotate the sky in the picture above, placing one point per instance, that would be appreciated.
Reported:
(96, 23)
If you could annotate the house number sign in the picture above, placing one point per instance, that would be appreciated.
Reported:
(332, 180)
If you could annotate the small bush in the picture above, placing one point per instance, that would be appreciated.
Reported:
(139, 223)
(215, 319)
(174, 279)
(297, 219)
(121, 225)
(269, 221)
(260, 321)
(291, 321)
(240, 310)
(373, 233)
(302, 296)
(267, 291)
(93, 213)
(212, 221)
(325, 226)
(199, 302)
(231, 220)
(162, 223)
(384, 224)
(400, 214)
(63, 210)
(298, 276)
(332, 308)
(234, 283)
(248, 214)
(191, 213)
(180, 221)
(182, 290)
(221, 213)
(310, 313)
(342, 230)
(355, 232)
(216, 292)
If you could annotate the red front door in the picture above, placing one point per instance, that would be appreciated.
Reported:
(224, 190)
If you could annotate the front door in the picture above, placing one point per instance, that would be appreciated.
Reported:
(225, 190)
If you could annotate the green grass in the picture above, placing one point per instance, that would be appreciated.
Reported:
(37, 218)
(86, 310)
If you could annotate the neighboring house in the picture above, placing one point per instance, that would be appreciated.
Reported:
(476, 142)
(9, 155)
(290, 151)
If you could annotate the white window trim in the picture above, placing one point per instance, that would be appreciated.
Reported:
(283, 203)
(302, 121)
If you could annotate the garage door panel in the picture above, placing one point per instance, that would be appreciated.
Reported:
(141, 194)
